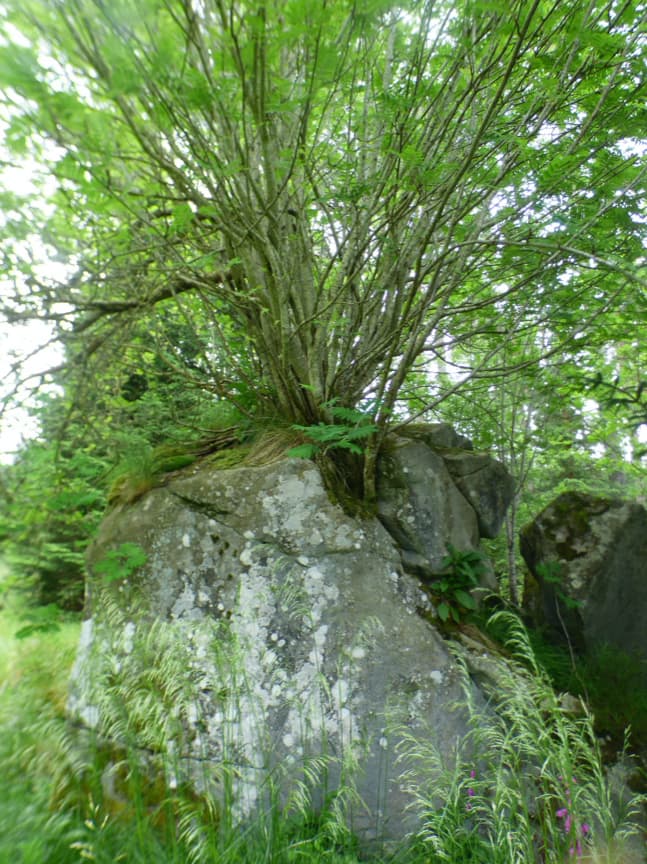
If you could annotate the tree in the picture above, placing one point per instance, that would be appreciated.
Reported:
(51, 504)
(329, 193)
(566, 428)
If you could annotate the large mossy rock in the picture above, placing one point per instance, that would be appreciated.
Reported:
(297, 639)
(588, 560)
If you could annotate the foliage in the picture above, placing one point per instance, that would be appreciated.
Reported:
(462, 573)
(607, 671)
(296, 204)
(52, 504)
(629, 401)
(41, 619)
(120, 563)
(551, 572)
(528, 783)
(89, 452)
(611, 682)
(553, 437)
(356, 426)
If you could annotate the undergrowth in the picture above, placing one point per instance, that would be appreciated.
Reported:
(526, 787)
(613, 683)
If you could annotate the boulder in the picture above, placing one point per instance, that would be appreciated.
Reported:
(438, 436)
(299, 645)
(588, 561)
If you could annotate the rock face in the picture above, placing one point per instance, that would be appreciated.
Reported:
(435, 491)
(593, 552)
(299, 635)
(422, 508)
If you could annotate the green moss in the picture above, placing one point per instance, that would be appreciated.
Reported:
(175, 463)
(229, 458)
(146, 468)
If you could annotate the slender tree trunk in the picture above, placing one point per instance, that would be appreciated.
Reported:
(511, 538)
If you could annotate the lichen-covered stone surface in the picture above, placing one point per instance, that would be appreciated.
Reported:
(592, 551)
(298, 645)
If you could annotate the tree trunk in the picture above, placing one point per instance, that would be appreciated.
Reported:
(511, 532)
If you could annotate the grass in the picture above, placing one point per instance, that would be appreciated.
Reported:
(612, 682)
(520, 768)
(31, 703)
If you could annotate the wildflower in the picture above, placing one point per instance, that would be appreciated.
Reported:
(564, 813)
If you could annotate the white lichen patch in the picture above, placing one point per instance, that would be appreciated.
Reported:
(186, 605)
(128, 637)
(85, 638)
(186, 540)
(89, 716)
(82, 676)
(436, 676)
(247, 557)
(288, 504)
(316, 537)
(321, 592)
(346, 537)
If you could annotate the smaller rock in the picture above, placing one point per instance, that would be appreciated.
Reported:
(420, 506)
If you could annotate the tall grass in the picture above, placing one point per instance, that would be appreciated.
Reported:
(528, 785)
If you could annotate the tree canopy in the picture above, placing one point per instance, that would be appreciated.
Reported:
(301, 204)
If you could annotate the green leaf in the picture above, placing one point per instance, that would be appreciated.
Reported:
(42, 619)
(182, 217)
(351, 415)
(443, 611)
(361, 432)
(121, 563)
(466, 600)
(346, 445)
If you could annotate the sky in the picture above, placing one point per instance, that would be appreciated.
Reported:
(16, 425)
(17, 342)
